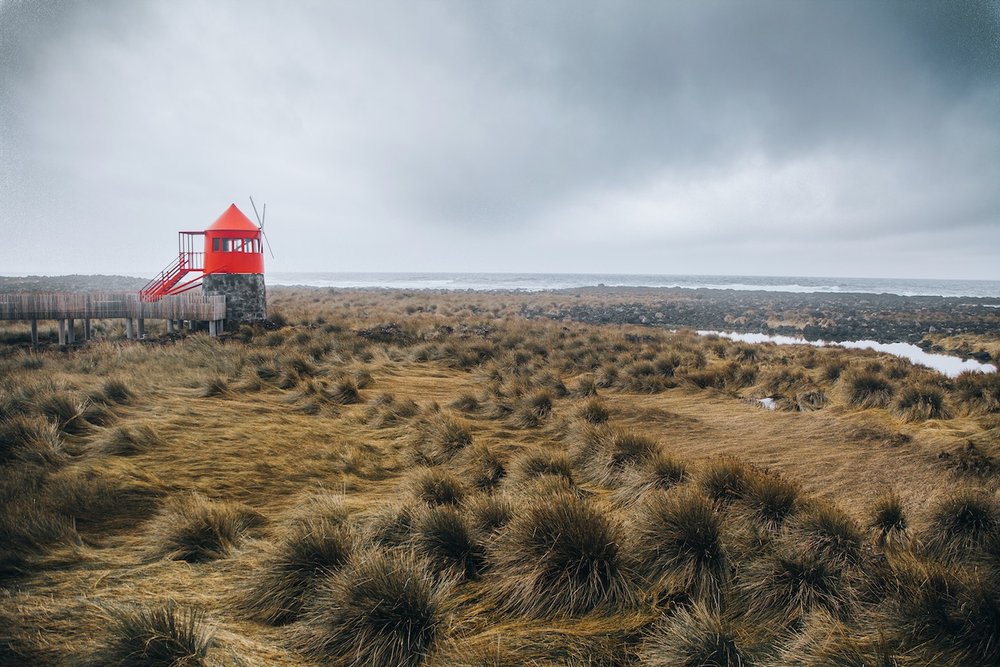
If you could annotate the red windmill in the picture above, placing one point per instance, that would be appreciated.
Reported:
(231, 245)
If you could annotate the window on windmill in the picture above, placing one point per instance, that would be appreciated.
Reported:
(227, 245)
(215, 245)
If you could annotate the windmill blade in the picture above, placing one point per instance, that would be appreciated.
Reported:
(257, 215)
(263, 216)
(264, 234)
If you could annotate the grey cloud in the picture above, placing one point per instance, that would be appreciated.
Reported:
(449, 135)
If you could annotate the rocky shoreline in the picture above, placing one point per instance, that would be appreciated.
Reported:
(885, 318)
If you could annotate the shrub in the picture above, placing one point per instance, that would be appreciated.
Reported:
(161, 636)
(195, 529)
(920, 403)
(868, 389)
(446, 540)
(384, 610)
(725, 479)
(887, 522)
(433, 486)
(305, 552)
(961, 524)
(695, 636)
(828, 533)
(677, 540)
(561, 556)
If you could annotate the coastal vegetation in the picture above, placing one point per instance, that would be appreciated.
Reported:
(395, 478)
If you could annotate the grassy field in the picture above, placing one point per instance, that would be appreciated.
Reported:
(388, 478)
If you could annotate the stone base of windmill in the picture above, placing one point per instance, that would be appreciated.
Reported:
(245, 294)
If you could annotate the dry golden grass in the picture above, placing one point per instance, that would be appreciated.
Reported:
(291, 465)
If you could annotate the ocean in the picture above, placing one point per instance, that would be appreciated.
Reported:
(534, 282)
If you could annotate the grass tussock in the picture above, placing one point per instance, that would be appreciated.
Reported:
(868, 389)
(595, 412)
(960, 525)
(445, 538)
(159, 636)
(828, 533)
(302, 555)
(561, 556)
(441, 438)
(783, 588)
(617, 453)
(919, 403)
(435, 486)
(483, 467)
(770, 500)
(725, 480)
(678, 541)
(26, 440)
(533, 465)
(659, 472)
(127, 440)
(195, 529)
(888, 522)
(695, 636)
(385, 609)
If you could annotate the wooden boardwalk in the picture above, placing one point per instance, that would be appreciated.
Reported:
(65, 307)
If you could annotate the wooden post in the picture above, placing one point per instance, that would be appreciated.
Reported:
(71, 331)
(128, 328)
(34, 333)
(212, 328)
(86, 329)
(170, 326)
(142, 328)
(62, 332)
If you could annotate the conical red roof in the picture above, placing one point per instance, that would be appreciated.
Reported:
(233, 220)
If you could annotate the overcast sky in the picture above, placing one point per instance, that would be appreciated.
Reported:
(766, 138)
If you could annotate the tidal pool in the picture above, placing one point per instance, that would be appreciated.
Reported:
(943, 363)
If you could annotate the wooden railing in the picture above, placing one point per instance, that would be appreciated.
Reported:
(98, 305)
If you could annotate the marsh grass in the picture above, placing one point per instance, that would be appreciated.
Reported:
(506, 492)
